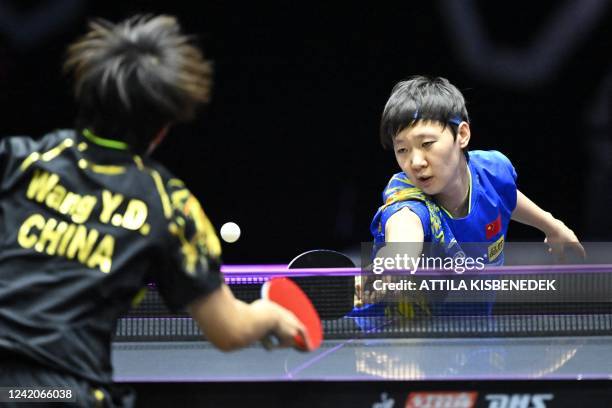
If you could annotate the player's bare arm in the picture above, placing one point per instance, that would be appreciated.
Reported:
(402, 227)
(405, 226)
(558, 235)
(230, 323)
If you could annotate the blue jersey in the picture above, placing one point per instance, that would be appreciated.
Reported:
(491, 202)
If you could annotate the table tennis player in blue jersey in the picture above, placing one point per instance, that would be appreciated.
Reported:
(444, 194)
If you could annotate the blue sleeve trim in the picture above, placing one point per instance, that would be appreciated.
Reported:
(382, 216)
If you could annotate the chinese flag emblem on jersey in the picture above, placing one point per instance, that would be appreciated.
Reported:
(493, 228)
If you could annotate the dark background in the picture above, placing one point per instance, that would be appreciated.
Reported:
(289, 147)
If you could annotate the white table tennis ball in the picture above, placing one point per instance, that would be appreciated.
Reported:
(230, 232)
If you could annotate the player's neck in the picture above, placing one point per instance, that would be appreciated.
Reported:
(456, 197)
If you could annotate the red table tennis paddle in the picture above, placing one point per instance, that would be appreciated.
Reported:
(287, 294)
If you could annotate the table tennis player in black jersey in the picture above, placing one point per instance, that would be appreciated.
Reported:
(87, 219)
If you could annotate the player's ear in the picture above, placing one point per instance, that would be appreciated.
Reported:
(463, 134)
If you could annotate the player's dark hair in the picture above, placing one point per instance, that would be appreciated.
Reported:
(134, 77)
(422, 99)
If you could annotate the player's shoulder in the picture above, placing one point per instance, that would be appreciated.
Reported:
(398, 181)
(401, 188)
(181, 197)
(187, 210)
(496, 169)
(399, 192)
(177, 190)
(492, 163)
(183, 201)
(23, 145)
(170, 181)
(488, 157)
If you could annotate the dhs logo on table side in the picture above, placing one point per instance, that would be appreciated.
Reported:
(518, 400)
(454, 399)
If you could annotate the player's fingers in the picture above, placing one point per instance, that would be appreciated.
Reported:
(289, 340)
(295, 333)
(298, 327)
(305, 340)
(579, 249)
(359, 290)
(270, 342)
(374, 296)
(558, 252)
(288, 328)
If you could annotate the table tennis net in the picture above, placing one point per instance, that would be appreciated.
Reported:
(580, 305)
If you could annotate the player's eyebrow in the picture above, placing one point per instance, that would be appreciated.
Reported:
(425, 134)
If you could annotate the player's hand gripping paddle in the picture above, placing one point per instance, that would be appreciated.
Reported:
(287, 294)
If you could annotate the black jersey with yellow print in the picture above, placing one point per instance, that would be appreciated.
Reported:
(84, 224)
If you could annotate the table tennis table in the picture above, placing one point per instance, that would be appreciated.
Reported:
(561, 358)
